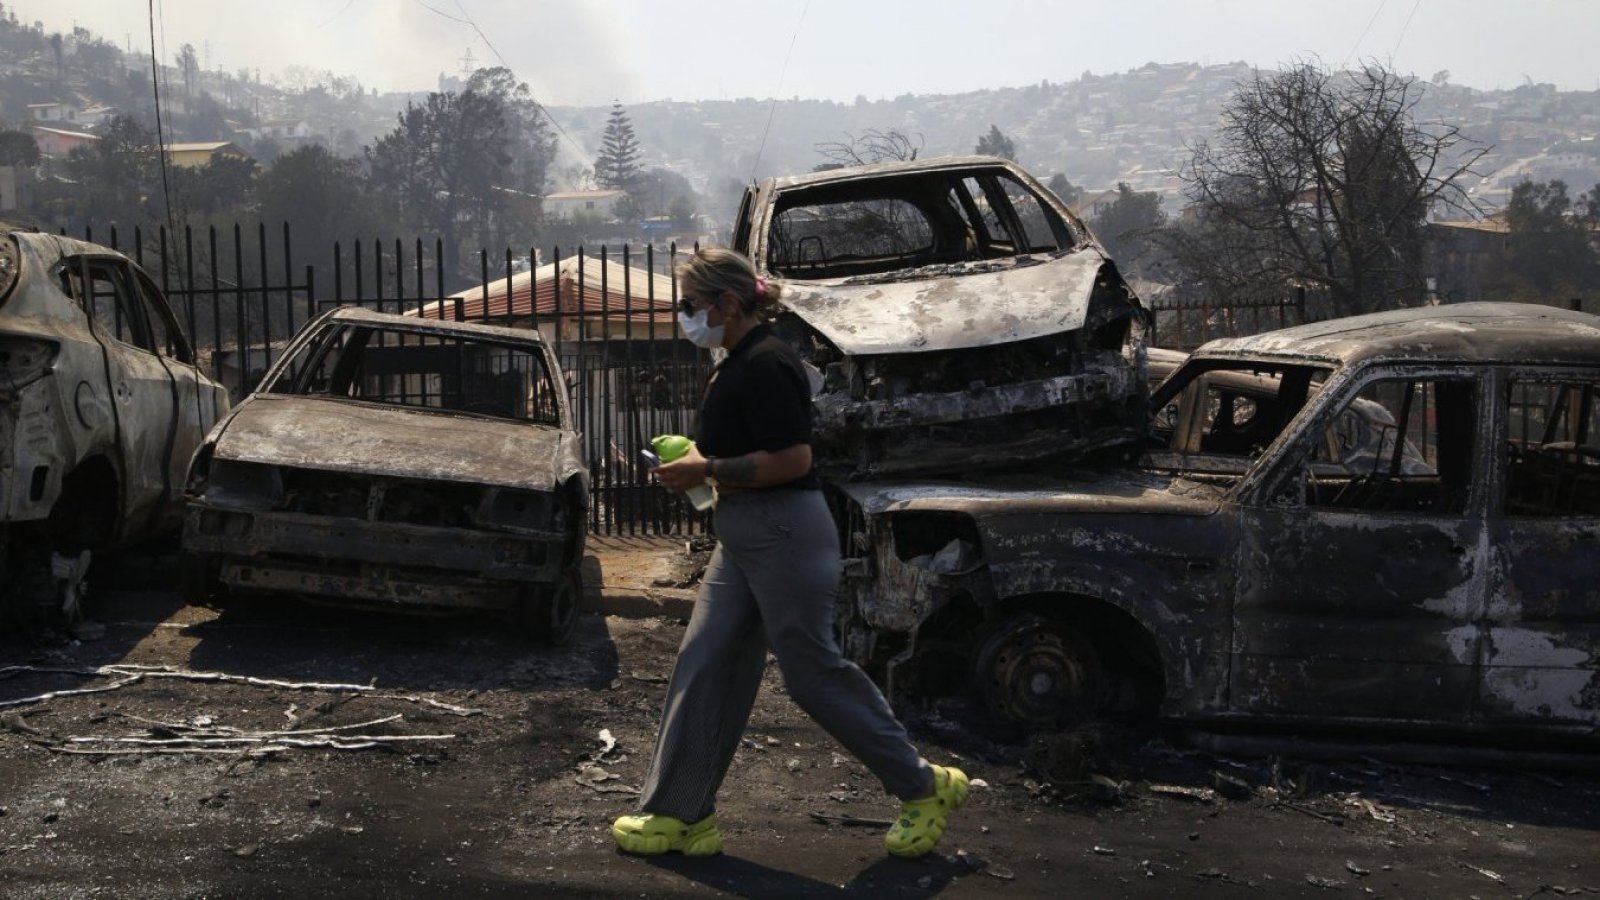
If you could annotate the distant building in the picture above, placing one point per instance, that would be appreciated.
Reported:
(53, 111)
(59, 141)
(569, 203)
(95, 116)
(279, 130)
(197, 154)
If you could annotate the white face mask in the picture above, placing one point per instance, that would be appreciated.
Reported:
(698, 331)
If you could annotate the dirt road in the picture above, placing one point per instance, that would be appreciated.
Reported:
(475, 764)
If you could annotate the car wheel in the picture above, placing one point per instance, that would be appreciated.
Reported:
(550, 614)
(202, 581)
(1036, 673)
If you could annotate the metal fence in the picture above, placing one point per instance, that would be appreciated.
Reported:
(241, 296)
(1186, 324)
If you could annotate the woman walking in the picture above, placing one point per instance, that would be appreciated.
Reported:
(771, 582)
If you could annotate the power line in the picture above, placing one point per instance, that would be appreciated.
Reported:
(342, 9)
(582, 155)
(439, 12)
(1403, 29)
(773, 111)
(161, 143)
(1357, 45)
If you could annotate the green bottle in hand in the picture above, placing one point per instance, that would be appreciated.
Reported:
(671, 447)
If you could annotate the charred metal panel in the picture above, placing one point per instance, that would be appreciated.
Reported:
(1490, 333)
(1149, 546)
(1542, 650)
(1359, 613)
(312, 432)
(953, 307)
(281, 534)
(398, 586)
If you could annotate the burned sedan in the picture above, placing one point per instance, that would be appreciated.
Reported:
(1446, 583)
(400, 463)
(955, 313)
(101, 407)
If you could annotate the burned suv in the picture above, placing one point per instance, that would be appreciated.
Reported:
(954, 312)
(1445, 581)
(401, 463)
(102, 408)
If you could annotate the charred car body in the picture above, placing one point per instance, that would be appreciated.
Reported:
(1261, 577)
(102, 408)
(402, 463)
(955, 313)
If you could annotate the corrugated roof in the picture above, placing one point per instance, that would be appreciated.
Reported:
(619, 293)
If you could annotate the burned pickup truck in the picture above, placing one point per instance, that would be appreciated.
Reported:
(955, 314)
(1445, 580)
(399, 463)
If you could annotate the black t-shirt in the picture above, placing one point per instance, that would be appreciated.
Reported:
(759, 398)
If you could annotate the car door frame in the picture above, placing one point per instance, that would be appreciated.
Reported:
(133, 383)
(1542, 619)
(1302, 648)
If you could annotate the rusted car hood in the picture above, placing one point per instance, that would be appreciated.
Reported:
(342, 436)
(953, 308)
(1097, 492)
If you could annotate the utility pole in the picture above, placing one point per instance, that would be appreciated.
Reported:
(467, 67)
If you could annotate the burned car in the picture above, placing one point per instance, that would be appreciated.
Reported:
(955, 313)
(103, 406)
(1257, 577)
(401, 463)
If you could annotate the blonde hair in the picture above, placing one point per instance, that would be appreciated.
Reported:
(717, 270)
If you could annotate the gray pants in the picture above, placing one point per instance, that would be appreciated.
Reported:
(772, 580)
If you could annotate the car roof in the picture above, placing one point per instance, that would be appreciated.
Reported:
(1464, 332)
(361, 315)
(898, 167)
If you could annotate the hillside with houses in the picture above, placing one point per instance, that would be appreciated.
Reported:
(1098, 130)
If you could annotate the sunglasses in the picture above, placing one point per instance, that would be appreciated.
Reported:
(689, 305)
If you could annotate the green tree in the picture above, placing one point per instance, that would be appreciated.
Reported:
(440, 170)
(1321, 180)
(617, 166)
(111, 182)
(532, 139)
(323, 197)
(188, 69)
(1549, 253)
(996, 144)
(1129, 225)
(1066, 190)
(18, 148)
(220, 186)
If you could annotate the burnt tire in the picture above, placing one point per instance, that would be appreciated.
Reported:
(550, 614)
(1033, 673)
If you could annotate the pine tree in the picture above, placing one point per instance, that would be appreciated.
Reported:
(617, 166)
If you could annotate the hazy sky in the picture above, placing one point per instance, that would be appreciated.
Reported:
(594, 51)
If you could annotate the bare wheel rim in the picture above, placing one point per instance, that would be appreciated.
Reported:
(1038, 672)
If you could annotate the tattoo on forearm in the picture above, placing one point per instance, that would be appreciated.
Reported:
(739, 471)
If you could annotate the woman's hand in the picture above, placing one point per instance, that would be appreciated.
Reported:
(682, 473)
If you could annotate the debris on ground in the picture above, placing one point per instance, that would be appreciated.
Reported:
(1196, 795)
(850, 821)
